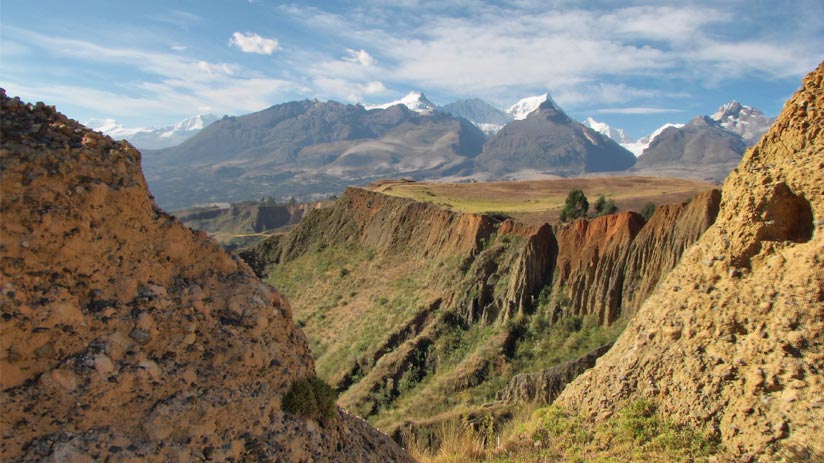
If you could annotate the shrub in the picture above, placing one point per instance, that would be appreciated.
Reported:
(605, 206)
(648, 210)
(310, 397)
(576, 205)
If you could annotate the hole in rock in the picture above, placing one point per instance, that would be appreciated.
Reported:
(788, 217)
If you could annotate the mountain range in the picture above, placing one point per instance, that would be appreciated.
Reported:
(144, 138)
(311, 149)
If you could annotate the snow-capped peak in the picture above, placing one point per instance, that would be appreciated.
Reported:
(112, 128)
(525, 106)
(637, 148)
(198, 122)
(151, 138)
(604, 129)
(744, 120)
(415, 101)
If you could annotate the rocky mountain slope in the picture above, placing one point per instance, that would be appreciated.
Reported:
(487, 117)
(746, 121)
(547, 141)
(701, 149)
(307, 148)
(441, 308)
(731, 341)
(126, 336)
(246, 223)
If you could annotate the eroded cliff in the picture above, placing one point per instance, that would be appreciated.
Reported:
(731, 341)
(436, 302)
(126, 336)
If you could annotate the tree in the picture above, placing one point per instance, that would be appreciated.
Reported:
(576, 205)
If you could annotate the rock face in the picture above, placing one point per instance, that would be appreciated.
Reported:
(548, 141)
(659, 245)
(732, 339)
(125, 336)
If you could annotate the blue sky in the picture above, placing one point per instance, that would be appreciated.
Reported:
(632, 64)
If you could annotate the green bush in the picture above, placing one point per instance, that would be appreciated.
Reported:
(311, 398)
(648, 210)
(604, 206)
(576, 205)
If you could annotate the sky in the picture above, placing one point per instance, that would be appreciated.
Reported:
(632, 64)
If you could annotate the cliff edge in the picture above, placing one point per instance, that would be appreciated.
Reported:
(732, 341)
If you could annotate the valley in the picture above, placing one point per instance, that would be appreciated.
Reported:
(411, 232)
(443, 309)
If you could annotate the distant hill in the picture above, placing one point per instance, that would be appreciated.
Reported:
(550, 142)
(309, 149)
(701, 149)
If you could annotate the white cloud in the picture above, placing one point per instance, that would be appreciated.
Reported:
(250, 42)
(215, 68)
(372, 88)
(359, 56)
(179, 47)
(505, 52)
(175, 85)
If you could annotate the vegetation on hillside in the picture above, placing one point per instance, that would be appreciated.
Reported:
(637, 433)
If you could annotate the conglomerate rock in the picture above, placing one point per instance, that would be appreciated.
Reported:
(126, 336)
(733, 339)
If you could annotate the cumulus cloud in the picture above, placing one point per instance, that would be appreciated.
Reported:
(249, 42)
(374, 87)
(359, 56)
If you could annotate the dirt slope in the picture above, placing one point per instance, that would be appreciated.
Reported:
(125, 336)
(732, 341)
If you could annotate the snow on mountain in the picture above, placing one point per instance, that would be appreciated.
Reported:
(522, 108)
(198, 122)
(415, 101)
(605, 129)
(113, 128)
(147, 138)
(637, 148)
(485, 116)
(744, 120)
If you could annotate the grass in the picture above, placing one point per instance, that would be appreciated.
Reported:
(539, 201)
(310, 398)
(636, 433)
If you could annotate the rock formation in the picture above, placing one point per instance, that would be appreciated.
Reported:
(126, 336)
(467, 270)
(731, 341)
(544, 386)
